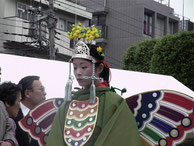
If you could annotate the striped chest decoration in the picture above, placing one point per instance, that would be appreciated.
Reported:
(80, 122)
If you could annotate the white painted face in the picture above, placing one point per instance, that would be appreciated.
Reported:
(83, 67)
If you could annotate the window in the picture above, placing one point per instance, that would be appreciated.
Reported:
(172, 27)
(94, 20)
(69, 28)
(62, 24)
(22, 11)
(100, 22)
(161, 27)
(147, 24)
(99, 19)
(69, 25)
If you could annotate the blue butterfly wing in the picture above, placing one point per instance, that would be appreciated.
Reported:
(163, 117)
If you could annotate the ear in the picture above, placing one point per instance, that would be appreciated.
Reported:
(100, 68)
(27, 93)
(6, 104)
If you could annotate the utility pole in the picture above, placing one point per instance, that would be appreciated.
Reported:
(51, 27)
(47, 16)
(169, 3)
(0, 74)
(183, 15)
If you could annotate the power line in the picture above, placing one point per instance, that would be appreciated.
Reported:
(66, 36)
(8, 18)
(64, 47)
(19, 34)
(30, 35)
(105, 55)
(126, 37)
(71, 50)
(60, 44)
(124, 30)
(27, 48)
(109, 25)
(115, 26)
(110, 16)
(61, 34)
(16, 26)
(28, 28)
(17, 41)
(47, 40)
(62, 40)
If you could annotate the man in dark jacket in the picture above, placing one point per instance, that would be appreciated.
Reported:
(33, 93)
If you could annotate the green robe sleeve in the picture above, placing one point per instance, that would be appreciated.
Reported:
(120, 130)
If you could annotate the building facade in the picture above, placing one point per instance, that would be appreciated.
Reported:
(126, 22)
(122, 22)
(24, 27)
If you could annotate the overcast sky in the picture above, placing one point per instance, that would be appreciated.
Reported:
(188, 8)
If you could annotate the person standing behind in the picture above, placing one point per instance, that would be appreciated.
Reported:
(33, 93)
(10, 97)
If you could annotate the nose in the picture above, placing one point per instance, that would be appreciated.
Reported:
(44, 94)
(78, 71)
(43, 90)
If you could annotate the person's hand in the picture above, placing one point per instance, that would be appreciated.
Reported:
(5, 143)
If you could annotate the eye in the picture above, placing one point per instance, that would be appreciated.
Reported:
(84, 67)
(74, 68)
(42, 88)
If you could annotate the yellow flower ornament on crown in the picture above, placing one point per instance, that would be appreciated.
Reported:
(87, 33)
(84, 37)
(100, 51)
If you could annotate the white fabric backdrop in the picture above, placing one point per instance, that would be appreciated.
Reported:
(54, 75)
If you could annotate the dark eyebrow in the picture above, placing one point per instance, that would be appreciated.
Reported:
(80, 63)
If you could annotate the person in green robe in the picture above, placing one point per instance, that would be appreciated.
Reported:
(94, 115)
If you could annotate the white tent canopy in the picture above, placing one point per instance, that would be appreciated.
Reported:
(54, 75)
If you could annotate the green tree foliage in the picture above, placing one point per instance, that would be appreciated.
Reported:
(174, 55)
(138, 57)
(171, 55)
